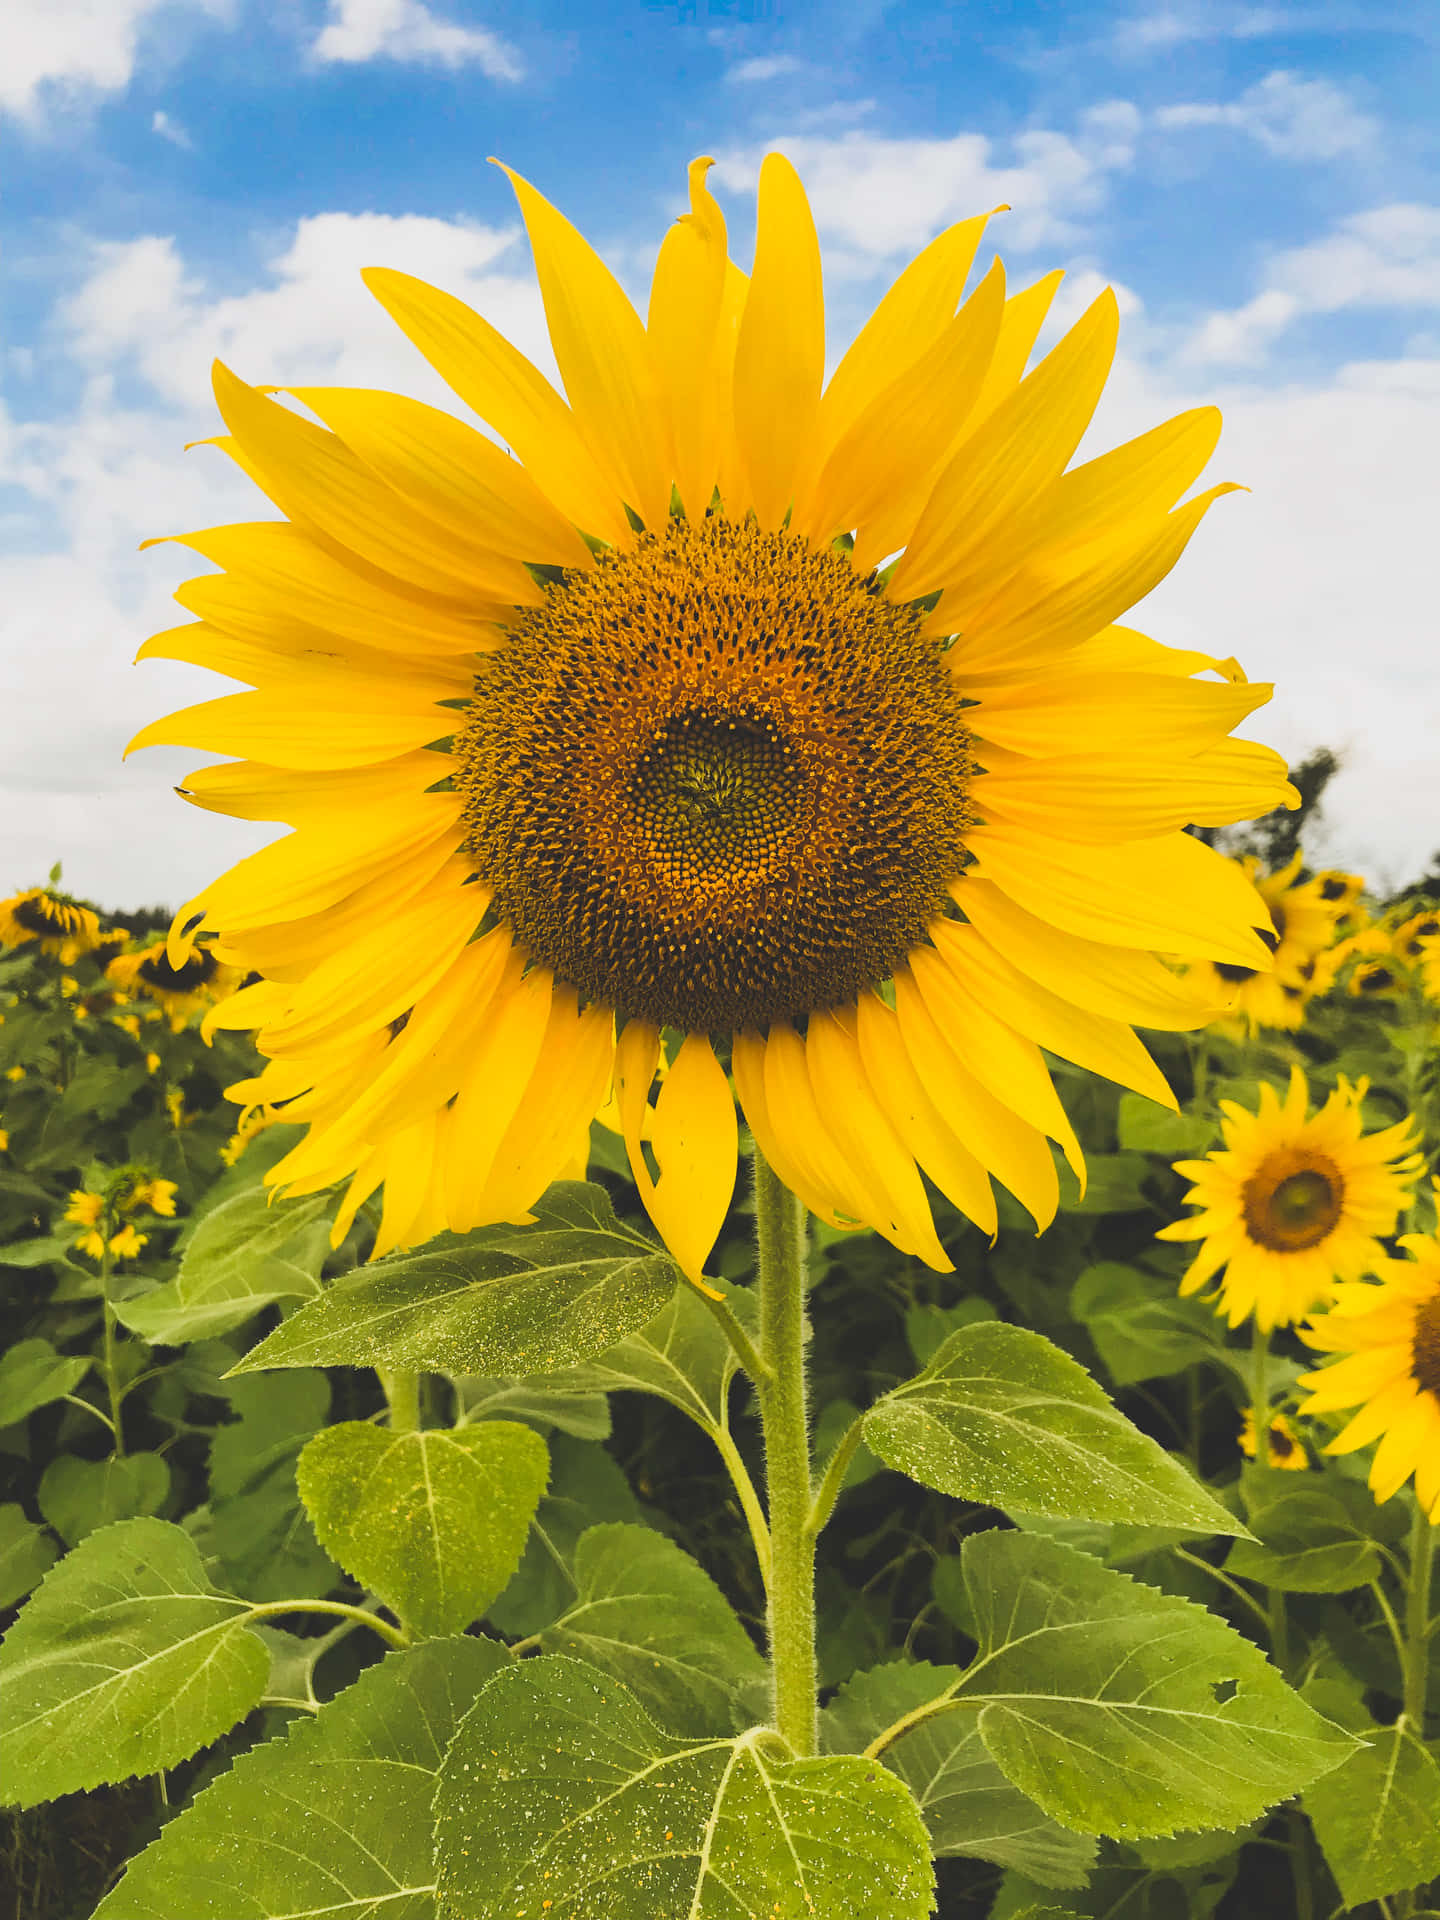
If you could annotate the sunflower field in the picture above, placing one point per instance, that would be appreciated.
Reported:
(621, 1325)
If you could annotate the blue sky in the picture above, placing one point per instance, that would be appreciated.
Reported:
(1260, 183)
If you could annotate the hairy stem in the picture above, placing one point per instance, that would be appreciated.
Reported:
(402, 1392)
(1417, 1613)
(272, 1609)
(780, 1229)
(112, 1362)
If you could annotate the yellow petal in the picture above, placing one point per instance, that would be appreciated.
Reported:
(780, 354)
(409, 1181)
(314, 478)
(257, 792)
(452, 473)
(694, 1138)
(686, 295)
(479, 364)
(570, 1080)
(859, 1124)
(1014, 1151)
(274, 727)
(907, 322)
(1096, 798)
(603, 356)
(1047, 715)
(1024, 316)
(1001, 1059)
(1172, 894)
(1022, 447)
(498, 1072)
(747, 1063)
(918, 1121)
(803, 1134)
(879, 476)
(1103, 1046)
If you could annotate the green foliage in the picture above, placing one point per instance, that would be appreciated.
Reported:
(127, 1659)
(26, 1554)
(435, 1523)
(333, 1819)
(622, 1818)
(33, 1374)
(1378, 1816)
(1001, 1415)
(77, 1496)
(503, 1300)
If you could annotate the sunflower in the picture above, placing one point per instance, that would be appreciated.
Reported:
(1304, 915)
(63, 927)
(636, 745)
(1284, 1451)
(180, 985)
(1390, 1338)
(1412, 939)
(1290, 1204)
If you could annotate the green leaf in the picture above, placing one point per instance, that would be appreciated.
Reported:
(647, 1613)
(1377, 1817)
(26, 1553)
(1148, 1127)
(435, 1522)
(245, 1255)
(51, 1249)
(681, 1355)
(126, 1660)
(1121, 1709)
(558, 1785)
(586, 1488)
(584, 1414)
(1141, 1327)
(334, 1819)
(1002, 1416)
(1115, 1183)
(968, 1805)
(1306, 1542)
(928, 1328)
(77, 1496)
(32, 1374)
(505, 1300)
(262, 1535)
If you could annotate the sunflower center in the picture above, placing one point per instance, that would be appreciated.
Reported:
(718, 780)
(1425, 1353)
(156, 971)
(42, 915)
(1293, 1200)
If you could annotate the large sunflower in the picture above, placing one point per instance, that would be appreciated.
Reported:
(622, 748)
(1290, 1205)
(1390, 1337)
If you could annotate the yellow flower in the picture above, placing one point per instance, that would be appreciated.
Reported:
(1390, 1339)
(1412, 938)
(623, 731)
(1378, 979)
(158, 1195)
(152, 1060)
(180, 988)
(69, 986)
(175, 1106)
(85, 1208)
(256, 1120)
(15, 1073)
(1283, 1448)
(61, 926)
(127, 1243)
(1290, 1204)
(4, 1141)
(1304, 915)
(92, 1244)
(131, 1024)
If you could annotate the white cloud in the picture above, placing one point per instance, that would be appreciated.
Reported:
(1386, 257)
(1171, 27)
(57, 51)
(1291, 117)
(406, 30)
(771, 66)
(880, 195)
(172, 131)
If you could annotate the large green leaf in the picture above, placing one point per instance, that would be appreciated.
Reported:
(1141, 1327)
(262, 1535)
(968, 1805)
(647, 1613)
(1377, 1817)
(244, 1255)
(505, 1300)
(26, 1553)
(1307, 1540)
(333, 1820)
(682, 1355)
(543, 1398)
(559, 1786)
(1002, 1416)
(32, 1374)
(77, 1496)
(1121, 1709)
(434, 1522)
(126, 1660)
(586, 1488)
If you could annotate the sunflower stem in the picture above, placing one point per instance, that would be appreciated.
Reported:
(1259, 1392)
(402, 1393)
(112, 1360)
(1417, 1613)
(782, 1393)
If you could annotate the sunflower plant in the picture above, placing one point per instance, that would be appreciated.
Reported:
(732, 845)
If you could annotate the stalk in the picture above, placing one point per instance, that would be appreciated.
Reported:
(112, 1373)
(1417, 1612)
(780, 1230)
(402, 1391)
